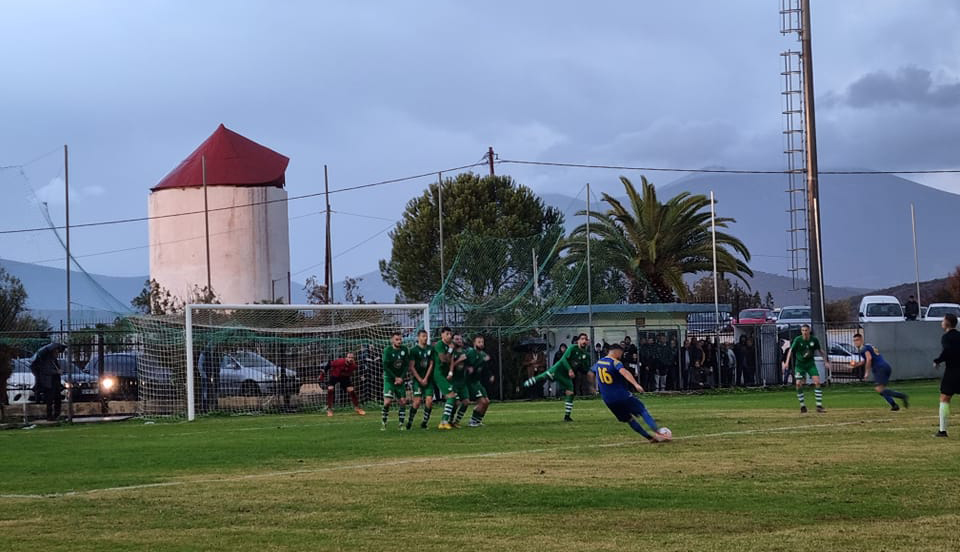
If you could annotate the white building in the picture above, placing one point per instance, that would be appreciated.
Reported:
(247, 209)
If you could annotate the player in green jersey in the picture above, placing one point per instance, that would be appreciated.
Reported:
(803, 349)
(477, 359)
(395, 364)
(442, 374)
(575, 358)
(421, 373)
(459, 380)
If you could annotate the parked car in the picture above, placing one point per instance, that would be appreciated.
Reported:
(248, 374)
(839, 356)
(755, 316)
(21, 382)
(792, 318)
(114, 378)
(935, 311)
(880, 308)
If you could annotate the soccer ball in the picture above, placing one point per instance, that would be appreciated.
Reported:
(665, 431)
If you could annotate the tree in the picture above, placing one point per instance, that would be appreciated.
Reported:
(655, 244)
(727, 292)
(838, 311)
(493, 206)
(316, 292)
(156, 299)
(351, 291)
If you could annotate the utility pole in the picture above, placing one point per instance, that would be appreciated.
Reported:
(443, 308)
(813, 187)
(66, 193)
(490, 157)
(916, 254)
(206, 220)
(328, 255)
(589, 272)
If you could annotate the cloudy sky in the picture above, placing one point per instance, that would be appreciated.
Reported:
(378, 90)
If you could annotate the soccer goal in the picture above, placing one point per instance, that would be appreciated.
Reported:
(250, 359)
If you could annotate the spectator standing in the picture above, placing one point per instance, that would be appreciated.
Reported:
(750, 360)
(912, 309)
(730, 365)
(673, 371)
(46, 373)
(631, 356)
(694, 364)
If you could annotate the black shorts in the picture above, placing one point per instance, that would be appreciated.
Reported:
(344, 381)
(950, 385)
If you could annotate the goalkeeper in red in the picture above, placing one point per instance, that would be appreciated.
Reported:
(616, 385)
(396, 361)
(340, 373)
(575, 358)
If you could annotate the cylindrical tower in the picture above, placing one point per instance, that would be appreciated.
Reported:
(249, 242)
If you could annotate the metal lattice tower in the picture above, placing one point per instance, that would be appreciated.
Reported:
(794, 148)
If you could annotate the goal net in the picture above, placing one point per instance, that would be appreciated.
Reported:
(249, 359)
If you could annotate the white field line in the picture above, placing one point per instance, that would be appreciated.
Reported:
(413, 461)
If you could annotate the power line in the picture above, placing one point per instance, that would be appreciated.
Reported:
(709, 171)
(252, 204)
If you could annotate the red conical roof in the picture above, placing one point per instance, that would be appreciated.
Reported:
(232, 160)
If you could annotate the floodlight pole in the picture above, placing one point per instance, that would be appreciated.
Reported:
(815, 257)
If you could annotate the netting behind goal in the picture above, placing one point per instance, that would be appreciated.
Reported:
(239, 359)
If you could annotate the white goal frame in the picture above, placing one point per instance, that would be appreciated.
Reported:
(188, 327)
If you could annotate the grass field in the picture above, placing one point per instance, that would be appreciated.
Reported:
(746, 472)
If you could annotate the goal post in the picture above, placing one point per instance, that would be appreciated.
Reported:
(252, 359)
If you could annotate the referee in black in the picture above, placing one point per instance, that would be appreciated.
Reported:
(950, 356)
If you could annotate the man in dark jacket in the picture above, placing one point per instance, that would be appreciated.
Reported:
(46, 371)
(912, 309)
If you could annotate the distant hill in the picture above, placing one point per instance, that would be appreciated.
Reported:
(866, 229)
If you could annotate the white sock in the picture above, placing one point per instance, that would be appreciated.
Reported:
(944, 412)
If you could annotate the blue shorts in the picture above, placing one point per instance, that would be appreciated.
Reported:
(626, 409)
(881, 374)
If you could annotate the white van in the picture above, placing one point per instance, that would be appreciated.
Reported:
(880, 308)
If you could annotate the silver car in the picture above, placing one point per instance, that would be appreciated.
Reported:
(248, 374)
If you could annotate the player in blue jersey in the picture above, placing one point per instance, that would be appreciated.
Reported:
(616, 385)
(872, 361)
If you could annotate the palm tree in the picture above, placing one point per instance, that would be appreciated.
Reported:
(655, 244)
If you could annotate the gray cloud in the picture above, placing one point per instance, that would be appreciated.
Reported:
(909, 85)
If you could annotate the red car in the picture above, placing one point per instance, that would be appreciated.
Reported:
(755, 316)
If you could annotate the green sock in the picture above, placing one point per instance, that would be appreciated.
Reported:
(460, 413)
(403, 410)
(426, 414)
(385, 412)
(568, 408)
(413, 414)
(448, 410)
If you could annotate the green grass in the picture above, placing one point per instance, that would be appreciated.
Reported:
(747, 472)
